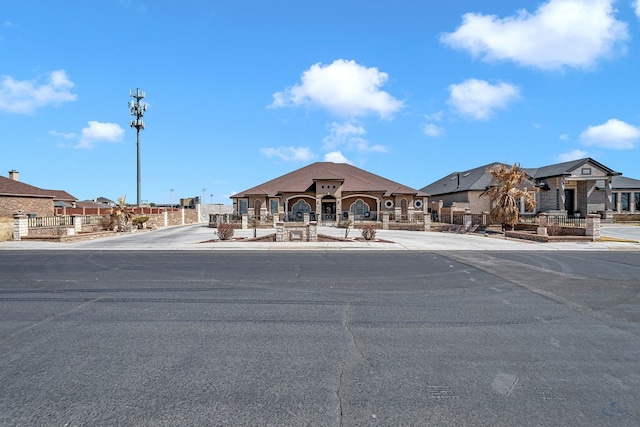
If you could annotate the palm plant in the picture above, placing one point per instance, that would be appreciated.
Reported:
(505, 194)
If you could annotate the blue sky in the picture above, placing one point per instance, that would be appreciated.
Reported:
(240, 92)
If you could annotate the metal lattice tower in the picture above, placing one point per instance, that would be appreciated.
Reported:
(137, 110)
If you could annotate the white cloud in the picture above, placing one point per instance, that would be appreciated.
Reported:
(100, 132)
(435, 117)
(614, 134)
(636, 7)
(479, 99)
(343, 88)
(64, 135)
(24, 96)
(564, 137)
(349, 134)
(289, 153)
(572, 155)
(571, 33)
(433, 130)
(336, 157)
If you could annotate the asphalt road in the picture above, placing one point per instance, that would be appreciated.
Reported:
(319, 338)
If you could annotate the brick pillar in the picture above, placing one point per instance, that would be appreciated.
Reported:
(542, 227)
(427, 222)
(593, 227)
(20, 226)
(385, 221)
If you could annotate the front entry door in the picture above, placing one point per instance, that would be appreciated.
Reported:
(569, 200)
(328, 213)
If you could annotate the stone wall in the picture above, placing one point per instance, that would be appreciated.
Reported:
(296, 232)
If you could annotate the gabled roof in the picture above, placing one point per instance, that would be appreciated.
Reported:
(62, 196)
(477, 179)
(565, 168)
(353, 178)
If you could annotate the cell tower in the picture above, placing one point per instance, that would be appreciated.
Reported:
(137, 110)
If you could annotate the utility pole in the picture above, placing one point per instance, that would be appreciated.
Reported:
(137, 110)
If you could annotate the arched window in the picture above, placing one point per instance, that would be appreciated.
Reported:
(359, 207)
(301, 206)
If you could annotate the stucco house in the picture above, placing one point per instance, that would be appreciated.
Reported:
(16, 196)
(328, 192)
(578, 187)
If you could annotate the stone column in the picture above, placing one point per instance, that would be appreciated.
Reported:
(542, 226)
(280, 231)
(20, 226)
(313, 231)
(427, 222)
(77, 223)
(165, 218)
(593, 227)
(385, 220)
(468, 219)
(245, 221)
(305, 217)
(182, 212)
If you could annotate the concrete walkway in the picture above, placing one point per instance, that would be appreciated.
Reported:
(199, 237)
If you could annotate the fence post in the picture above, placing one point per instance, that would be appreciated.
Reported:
(245, 221)
(385, 221)
(20, 226)
(427, 222)
(182, 212)
(306, 216)
(593, 226)
(468, 219)
(77, 223)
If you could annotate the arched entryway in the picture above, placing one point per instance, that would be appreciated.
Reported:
(328, 204)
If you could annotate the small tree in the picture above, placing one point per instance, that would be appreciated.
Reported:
(505, 194)
(368, 231)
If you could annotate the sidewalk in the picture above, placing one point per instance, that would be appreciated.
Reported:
(199, 237)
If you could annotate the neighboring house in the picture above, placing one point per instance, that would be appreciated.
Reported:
(571, 188)
(328, 192)
(16, 196)
(625, 195)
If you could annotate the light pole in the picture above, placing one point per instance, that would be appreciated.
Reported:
(137, 110)
(171, 198)
(203, 201)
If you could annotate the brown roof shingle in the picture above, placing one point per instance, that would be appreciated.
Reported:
(354, 180)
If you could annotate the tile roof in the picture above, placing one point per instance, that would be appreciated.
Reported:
(354, 180)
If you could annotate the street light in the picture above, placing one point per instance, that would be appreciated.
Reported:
(171, 205)
(137, 110)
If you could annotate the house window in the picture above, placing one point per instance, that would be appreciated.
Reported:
(625, 199)
(614, 201)
(274, 206)
(301, 207)
(637, 201)
(586, 171)
(359, 207)
(242, 207)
